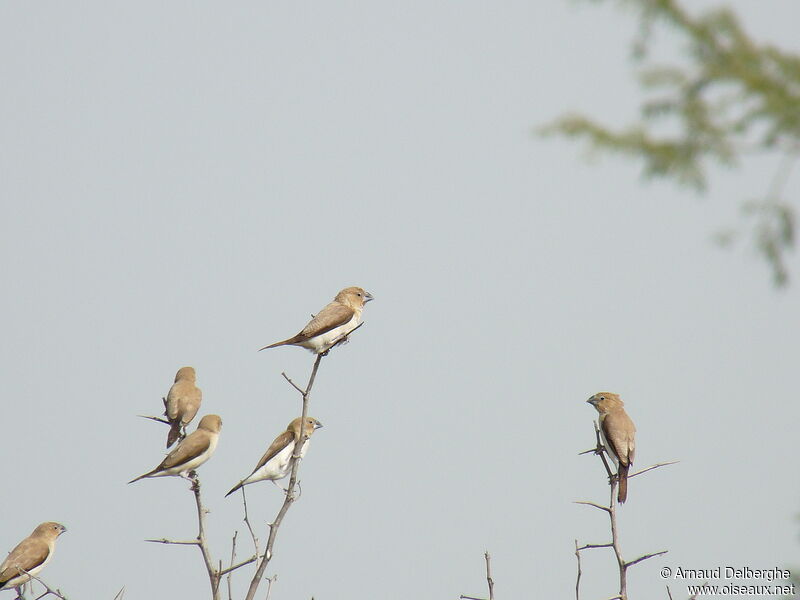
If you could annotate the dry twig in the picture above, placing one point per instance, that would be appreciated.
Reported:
(290, 496)
(489, 581)
(611, 511)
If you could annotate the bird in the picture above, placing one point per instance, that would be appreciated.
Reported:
(618, 433)
(191, 452)
(30, 556)
(332, 324)
(277, 460)
(182, 403)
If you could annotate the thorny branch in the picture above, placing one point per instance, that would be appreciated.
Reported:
(578, 577)
(611, 511)
(290, 490)
(48, 590)
(489, 581)
(214, 574)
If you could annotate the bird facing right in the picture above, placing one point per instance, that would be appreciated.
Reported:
(30, 555)
(191, 452)
(618, 433)
(332, 324)
(277, 460)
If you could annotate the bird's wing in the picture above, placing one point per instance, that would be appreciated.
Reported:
(192, 446)
(182, 395)
(619, 431)
(276, 446)
(28, 554)
(332, 316)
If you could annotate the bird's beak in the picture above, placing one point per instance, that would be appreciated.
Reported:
(63, 529)
(367, 297)
(591, 400)
(317, 425)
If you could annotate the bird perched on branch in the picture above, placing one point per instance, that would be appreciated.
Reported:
(30, 555)
(332, 324)
(191, 452)
(277, 460)
(618, 432)
(182, 403)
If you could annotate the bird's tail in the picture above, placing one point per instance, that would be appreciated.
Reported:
(174, 432)
(622, 493)
(291, 340)
(140, 477)
(236, 487)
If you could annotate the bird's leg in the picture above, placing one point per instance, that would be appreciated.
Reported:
(18, 589)
(277, 485)
(191, 477)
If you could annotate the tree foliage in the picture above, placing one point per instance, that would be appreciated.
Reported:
(732, 97)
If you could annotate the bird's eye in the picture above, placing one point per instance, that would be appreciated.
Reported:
(602, 397)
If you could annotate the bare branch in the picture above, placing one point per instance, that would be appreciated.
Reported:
(592, 546)
(578, 578)
(601, 449)
(271, 580)
(200, 541)
(490, 582)
(489, 579)
(247, 522)
(232, 568)
(120, 594)
(229, 573)
(176, 542)
(49, 591)
(664, 464)
(290, 490)
(645, 557)
(603, 508)
(159, 419)
(213, 573)
(292, 383)
(611, 511)
(669, 593)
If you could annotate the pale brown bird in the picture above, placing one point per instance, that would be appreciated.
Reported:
(332, 324)
(191, 452)
(30, 555)
(618, 433)
(182, 403)
(277, 460)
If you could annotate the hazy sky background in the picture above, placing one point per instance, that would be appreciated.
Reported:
(184, 183)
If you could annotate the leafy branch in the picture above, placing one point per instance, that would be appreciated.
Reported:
(733, 98)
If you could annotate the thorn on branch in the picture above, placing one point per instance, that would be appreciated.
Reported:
(656, 466)
(175, 542)
(595, 505)
(159, 419)
(645, 557)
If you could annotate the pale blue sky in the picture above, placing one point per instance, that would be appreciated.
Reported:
(182, 184)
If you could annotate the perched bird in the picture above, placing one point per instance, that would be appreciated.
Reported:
(30, 555)
(277, 461)
(192, 451)
(332, 323)
(182, 403)
(618, 432)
